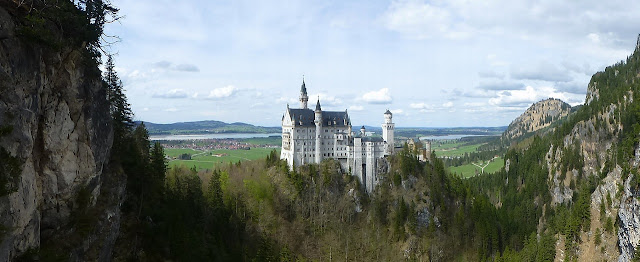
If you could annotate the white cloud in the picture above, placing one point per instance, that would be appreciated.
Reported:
(381, 96)
(423, 107)
(447, 104)
(491, 74)
(186, 68)
(325, 100)
(419, 105)
(524, 98)
(397, 111)
(501, 85)
(171, 109)
(595, 38)
(417, 19)
(136, 74)
(356, 108)
(291, 101)
(544, 71)
(170, 66)
(222, 92)
(173, 93)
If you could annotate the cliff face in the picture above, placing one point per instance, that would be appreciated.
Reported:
(61, 131)
(597, 141)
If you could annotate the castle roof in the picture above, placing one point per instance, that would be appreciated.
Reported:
(303, 88)
(387, 112)
(305, 117)
(318, 105)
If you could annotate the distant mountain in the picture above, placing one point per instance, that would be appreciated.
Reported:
(443, 131)
(206, 127)
(539, 116)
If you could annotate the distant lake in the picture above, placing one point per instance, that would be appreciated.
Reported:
(211, 136)
(446, 137)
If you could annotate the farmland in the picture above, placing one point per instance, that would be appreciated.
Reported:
(469, 170)
(214, 158)
(464, 157)
(212, 153)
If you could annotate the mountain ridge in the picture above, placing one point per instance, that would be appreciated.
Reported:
(205, 127)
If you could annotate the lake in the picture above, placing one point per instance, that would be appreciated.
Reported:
(210, 136)
(446, 137)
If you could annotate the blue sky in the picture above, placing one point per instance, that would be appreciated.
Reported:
(432, 63)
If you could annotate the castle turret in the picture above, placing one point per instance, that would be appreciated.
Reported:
(387, 132)
(318, 122)
(363, 131)
(303, 96)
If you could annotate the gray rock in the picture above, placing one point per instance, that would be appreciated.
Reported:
(62, 130)
(629, 218)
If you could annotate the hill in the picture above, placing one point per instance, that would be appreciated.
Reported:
(206, 127)
(538, 116)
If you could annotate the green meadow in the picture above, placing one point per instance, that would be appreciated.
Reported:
(458, 148)
(470, 170)
(211, 159)
(454, 148)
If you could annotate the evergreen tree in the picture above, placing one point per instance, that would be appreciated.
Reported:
(119, 107)
(158, 168)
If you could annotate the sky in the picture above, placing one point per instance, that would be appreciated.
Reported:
(453, 63)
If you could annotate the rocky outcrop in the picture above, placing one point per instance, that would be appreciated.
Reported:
(629, 219)
(540, 115)
(560, 191)
(62, 132)
(629, 216)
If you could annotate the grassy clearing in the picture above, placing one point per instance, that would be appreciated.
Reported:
(445, 144)
(270, 141)
(175, 152)
(213, 158)
(470, 170)
(456, 149)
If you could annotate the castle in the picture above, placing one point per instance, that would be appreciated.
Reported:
(309, 136)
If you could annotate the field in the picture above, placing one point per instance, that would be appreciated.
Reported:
(456, 148)
(213, 158)
(470, 170)
(271, 141)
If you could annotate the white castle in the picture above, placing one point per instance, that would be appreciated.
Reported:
(309, 136)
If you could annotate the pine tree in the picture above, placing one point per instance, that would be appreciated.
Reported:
(158, 168)
(119, 108)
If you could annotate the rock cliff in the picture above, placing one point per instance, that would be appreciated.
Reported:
(61, 131)
(629, 217)
(538, 116)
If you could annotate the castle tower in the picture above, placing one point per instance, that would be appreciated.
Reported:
(318, 122)
(363, 131)
(303, 96)
(387, 132)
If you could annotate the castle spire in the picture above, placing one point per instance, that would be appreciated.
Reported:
(303, 95)
(318, 105)
(303, 88)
